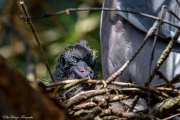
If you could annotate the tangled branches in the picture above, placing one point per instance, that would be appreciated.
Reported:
(116, 99)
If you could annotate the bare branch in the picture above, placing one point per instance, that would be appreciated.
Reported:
(121, 70)
(28, 20)
(69, 10)
(163, 57)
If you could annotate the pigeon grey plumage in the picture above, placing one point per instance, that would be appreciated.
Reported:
(122, 34)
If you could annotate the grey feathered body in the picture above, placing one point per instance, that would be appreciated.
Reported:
(121, 36)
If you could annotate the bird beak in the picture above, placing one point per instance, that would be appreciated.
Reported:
(83, 70)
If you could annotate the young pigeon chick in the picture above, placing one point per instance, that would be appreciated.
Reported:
(77, 61)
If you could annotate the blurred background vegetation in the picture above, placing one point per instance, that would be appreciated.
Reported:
(18, 45)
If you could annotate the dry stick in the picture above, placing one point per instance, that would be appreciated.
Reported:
(64, 82)
(84, 105)
(137, 116)
(94, 100)
(155, 38)
(160, 22)
(129, 115)
(28, 20)
(135, 100)
(167, 89)
(83, 96)
(163, 77)
(111, 117)
(69, 10)
(95, 111)
(172, 116)
(75, 83)
(163, 57)
(109, 111)
(176, 79)
(56, 91)
(131, 85)
(121, 70)
(90, 114)
(168, 49)
(178, 2)
(121, 84)
(172, 104)
(172, 12)
(165, 84)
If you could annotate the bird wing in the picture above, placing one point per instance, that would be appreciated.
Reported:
(152, 7)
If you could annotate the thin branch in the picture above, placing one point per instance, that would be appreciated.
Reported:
(178, 2)
(117, 83)
(137, 116)
(155, 38)
(69, 10)
(28, 20)
(163, 108)
(162, 76)
(134, 102)
(172, 116)
(175, 80)
(121, 70)
(172, 12)
(83, 96)
(84, 105)
(163, 57)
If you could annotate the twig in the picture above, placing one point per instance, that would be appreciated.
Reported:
(172, 116)
(167, 105)
(56, 91)
(172, 12)
(83, 96)
(176, 79)
(137, 116)
(136, 91)
(131, 85)
(121, 70)
(155, 38)
(69, 10)
(90, 113)
(178, 2)
(120, 84)
(113, 117)
(163, 57)
(103, 99)
(84, 105)
(135, 100)
(28, 20)
(64, 82)
(168, 82)
(167, 89)
(75, 83)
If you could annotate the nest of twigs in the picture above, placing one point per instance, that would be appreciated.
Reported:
(117, 100)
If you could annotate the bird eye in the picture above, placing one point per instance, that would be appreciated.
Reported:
(76, 59)
(63, 62)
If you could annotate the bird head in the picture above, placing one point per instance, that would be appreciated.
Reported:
(76, 61)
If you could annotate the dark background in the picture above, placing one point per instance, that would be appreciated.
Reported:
(18, 46)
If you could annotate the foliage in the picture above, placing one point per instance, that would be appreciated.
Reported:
(17, 43)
